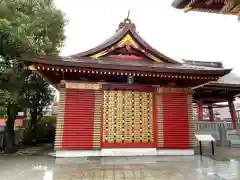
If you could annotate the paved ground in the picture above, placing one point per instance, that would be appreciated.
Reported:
(117, 168)
(221, 153)
(33, 150)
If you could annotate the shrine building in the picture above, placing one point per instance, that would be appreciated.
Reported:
(227, 88)
(124, 98)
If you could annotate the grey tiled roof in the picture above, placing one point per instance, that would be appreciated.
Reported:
(230, 78)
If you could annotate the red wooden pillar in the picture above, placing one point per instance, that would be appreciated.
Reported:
(233, 113)
(199, 111)
(211, 114)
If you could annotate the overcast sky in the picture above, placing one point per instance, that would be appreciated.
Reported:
(179, 35)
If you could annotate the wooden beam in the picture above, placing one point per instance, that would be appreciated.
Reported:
(214, 99)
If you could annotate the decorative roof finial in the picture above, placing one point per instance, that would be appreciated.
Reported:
(126, 23)
(127, 20)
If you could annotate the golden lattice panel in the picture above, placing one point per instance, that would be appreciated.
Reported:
(128, 117)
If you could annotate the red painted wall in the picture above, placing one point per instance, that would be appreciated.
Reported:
(78, 120)
(175, 120)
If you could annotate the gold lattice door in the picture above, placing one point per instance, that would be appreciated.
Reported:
(128, 119)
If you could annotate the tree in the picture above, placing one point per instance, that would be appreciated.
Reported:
(37, 95)
(11, 77)
(27, 28)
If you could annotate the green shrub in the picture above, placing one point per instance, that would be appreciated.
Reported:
(49, 118)
(45, 129)
(44, 132)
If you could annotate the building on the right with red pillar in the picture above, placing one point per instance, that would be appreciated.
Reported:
(228, 87)
(231, 7)
(208, 96)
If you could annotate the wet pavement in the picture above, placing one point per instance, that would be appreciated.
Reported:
(117, 168)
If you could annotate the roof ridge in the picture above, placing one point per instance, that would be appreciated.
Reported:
(217, 64)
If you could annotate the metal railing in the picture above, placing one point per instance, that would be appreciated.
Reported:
(213, 126)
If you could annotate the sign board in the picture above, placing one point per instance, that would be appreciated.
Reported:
(130, 79)
(82, 86)
(204, 137)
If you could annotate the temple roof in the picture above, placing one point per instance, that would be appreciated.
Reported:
(126, 50)
(126, 41)
(213, 6)
(226, 87)
(127, 64)
(229, 80)
(205, 64)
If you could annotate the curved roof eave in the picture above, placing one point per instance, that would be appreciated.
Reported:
(136, 67)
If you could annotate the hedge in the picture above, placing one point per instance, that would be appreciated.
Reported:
(45, 131)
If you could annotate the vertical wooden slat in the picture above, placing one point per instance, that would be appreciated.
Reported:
(175, 118)
(78, 119)
(60, 119)
(192, 123)
(97, 119)
(160, 120)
